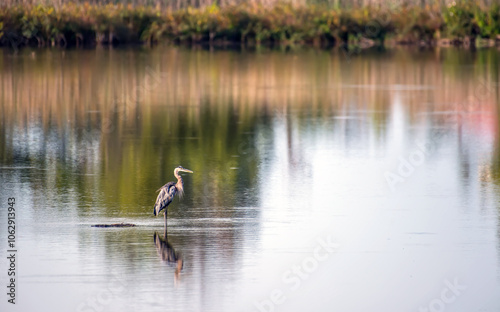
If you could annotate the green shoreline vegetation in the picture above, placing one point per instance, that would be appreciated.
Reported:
(72, 24)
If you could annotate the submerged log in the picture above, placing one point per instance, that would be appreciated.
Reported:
(113, 225)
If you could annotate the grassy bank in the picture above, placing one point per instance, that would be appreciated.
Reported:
(284, 24)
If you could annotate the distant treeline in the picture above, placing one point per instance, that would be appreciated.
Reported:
(72, 24)
(179, 4)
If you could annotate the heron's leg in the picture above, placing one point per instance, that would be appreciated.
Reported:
(165, 219)
(165, 230)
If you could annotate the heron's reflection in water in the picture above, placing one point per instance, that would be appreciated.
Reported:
(168, 254)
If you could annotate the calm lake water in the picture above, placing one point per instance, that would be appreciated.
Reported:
(323, 181)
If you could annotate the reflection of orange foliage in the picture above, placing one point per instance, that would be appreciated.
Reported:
(92, 86)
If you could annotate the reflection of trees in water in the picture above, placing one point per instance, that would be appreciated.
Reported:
(131, 119)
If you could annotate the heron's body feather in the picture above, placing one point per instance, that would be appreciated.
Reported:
(167, 193)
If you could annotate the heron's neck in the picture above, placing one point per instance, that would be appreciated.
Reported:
(179, 185)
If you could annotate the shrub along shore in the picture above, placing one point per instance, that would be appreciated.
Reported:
(463, 23)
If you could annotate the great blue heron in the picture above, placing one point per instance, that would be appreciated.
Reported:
(168, 191)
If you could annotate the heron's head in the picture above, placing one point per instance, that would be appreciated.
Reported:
(182, 169)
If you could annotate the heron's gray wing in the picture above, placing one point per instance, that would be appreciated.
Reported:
(167, 193)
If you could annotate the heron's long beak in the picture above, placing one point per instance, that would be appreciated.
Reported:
(186, 170)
